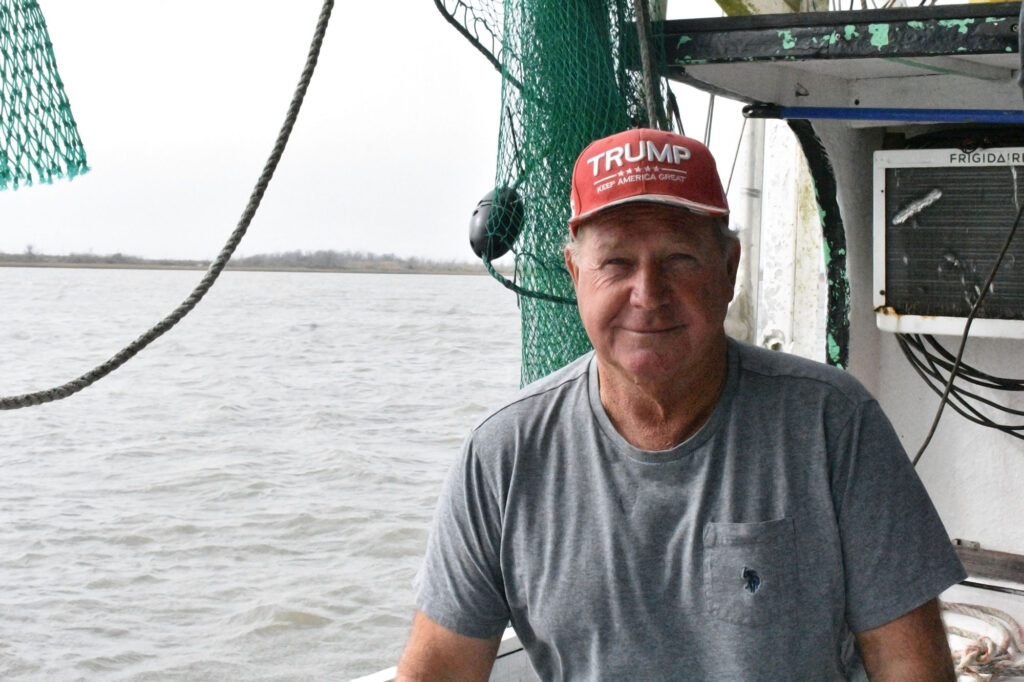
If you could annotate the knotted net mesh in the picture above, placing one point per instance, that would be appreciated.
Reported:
(571, 73)
(39, 140)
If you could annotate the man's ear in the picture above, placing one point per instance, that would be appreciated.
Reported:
(733, 264)
(571, 266)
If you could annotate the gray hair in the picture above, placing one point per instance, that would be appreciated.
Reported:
(724, 235)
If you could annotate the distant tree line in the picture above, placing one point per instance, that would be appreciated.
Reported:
(350, 261)
(323, 260)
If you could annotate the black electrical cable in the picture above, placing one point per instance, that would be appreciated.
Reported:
(962, 396)
(968, 411)
(975, 375)
(944, 361)
(958, 398)
(973, 414)
(954, 371)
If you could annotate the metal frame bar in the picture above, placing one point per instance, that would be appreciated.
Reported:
(948, 30)
(886, 114)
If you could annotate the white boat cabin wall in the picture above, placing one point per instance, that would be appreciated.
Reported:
(868, 87)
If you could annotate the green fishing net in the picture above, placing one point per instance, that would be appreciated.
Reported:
(40, 140)
(571, 73)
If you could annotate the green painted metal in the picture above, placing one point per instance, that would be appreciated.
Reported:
(897, 33)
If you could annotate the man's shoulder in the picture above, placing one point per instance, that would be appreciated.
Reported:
(802, 373)
(539, 395)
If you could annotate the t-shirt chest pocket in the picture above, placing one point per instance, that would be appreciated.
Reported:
(750, 571)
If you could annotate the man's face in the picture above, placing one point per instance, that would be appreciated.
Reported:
(653, 285)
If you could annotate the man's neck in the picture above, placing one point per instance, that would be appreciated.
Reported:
(660, 415)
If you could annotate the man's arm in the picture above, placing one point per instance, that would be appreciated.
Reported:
(436, 653)
(912, 648)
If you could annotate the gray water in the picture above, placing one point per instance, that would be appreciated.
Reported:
(249, 498)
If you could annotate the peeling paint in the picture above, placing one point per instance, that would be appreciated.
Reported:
(879, 35)
(915, 24)
(851, 32)
(832, 38)
(788, 41)
(889, 311)
(959, 24)
(682, 41)
(834, 351)
(840, 252)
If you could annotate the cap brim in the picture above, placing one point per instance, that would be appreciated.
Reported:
(663, 199)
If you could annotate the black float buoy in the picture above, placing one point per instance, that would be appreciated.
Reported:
(495, 224)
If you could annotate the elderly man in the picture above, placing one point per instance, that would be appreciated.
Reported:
(676, 505)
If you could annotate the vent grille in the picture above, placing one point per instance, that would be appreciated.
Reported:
(944, 229)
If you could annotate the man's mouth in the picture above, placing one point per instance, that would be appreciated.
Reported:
(653, 330)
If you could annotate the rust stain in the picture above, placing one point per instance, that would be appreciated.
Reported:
(889, 311)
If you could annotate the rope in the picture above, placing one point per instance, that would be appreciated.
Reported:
(643, 25)
(983, 657)
(513, 287)
(992, 616)
(129, 351)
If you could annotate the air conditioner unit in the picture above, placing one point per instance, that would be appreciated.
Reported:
(941, 217)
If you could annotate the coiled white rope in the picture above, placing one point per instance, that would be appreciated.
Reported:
(984, 657)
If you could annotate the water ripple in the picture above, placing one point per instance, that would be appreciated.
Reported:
(248, 499)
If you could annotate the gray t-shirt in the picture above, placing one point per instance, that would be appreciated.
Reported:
(752, 551)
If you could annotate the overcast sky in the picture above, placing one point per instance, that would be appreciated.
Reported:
(178, 105)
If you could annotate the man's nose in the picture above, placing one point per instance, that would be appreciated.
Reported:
(649, 287)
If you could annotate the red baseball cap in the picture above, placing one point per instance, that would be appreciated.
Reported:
(655, 166)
